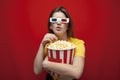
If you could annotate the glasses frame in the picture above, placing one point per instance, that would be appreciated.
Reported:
(59, 20)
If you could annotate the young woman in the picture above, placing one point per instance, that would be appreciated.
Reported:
(60, 28)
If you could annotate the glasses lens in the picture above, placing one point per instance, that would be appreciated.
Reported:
(54, 19)
(64, 20)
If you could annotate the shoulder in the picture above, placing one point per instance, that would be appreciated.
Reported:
(80, 47)
(76, 41)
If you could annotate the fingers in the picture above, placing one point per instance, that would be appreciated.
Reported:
(49, 38)
(55, 74)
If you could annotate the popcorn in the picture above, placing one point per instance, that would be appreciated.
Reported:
(61, 51)
(61, 45)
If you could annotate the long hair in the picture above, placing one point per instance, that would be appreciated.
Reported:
(70, 31)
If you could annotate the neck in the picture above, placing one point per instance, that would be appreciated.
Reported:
(63, 37)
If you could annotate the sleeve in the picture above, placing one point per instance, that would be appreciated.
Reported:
(45, 51)
(80, 49)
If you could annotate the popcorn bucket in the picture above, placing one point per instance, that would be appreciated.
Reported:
(61, 56)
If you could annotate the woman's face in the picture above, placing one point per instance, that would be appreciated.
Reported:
(59, 28)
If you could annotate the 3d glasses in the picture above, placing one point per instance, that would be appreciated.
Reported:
(61, 20)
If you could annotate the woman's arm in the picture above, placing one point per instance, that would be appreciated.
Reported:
(40, 54)
(71, 70)
(38, 60)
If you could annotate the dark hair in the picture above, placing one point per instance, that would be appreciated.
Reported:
(70, 32)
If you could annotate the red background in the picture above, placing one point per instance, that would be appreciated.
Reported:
(24, 22)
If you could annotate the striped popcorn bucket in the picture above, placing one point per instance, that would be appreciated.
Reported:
(61, 56)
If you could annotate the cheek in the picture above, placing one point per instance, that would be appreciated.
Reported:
(52, 26)
(65, 26)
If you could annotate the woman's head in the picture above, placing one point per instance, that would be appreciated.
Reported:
(61, 18)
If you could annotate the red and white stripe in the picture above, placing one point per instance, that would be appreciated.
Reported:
(62, 56)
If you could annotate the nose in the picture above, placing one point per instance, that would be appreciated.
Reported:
(59, 22)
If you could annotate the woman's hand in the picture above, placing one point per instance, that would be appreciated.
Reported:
(49, 37)
(45, 65)
(45, 62)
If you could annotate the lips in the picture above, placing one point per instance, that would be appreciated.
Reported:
(58, 28)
